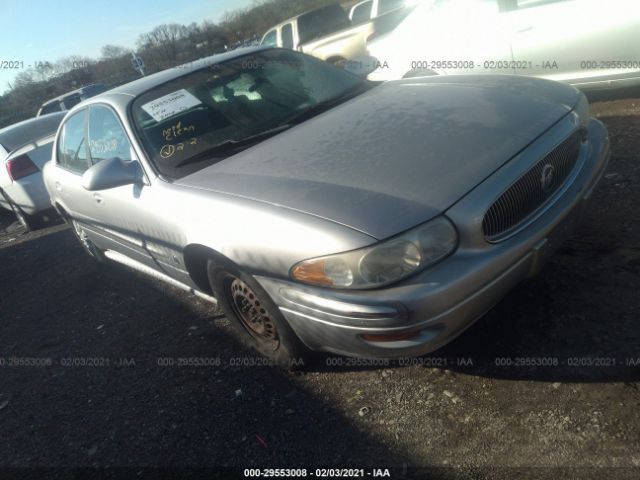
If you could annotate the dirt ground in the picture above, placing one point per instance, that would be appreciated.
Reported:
(105, 368)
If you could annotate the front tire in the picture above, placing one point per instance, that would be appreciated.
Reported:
(255, 316)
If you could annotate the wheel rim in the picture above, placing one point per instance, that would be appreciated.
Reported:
(253, 316)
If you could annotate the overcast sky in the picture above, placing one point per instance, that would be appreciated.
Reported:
(46, 30)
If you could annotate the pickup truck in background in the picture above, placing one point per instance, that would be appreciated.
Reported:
(369, 9)
(329, 34)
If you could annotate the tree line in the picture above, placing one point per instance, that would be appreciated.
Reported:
(166, 46)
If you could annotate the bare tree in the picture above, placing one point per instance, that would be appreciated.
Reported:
(163, 47)
(113, 51)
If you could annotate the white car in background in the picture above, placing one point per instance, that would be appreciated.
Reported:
(25, 147)
(368, 9)
(586, 43)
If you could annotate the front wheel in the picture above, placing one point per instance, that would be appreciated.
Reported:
(254, 315)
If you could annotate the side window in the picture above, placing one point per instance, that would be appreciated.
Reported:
(270, 39)
(51, 107)
(72, 147)
(361, 13)
(71, 101)
(107, 139)
(287, 36)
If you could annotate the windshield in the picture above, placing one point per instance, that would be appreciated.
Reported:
(181, 121)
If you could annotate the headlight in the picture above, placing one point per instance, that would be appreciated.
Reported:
(583, 110)
(384, 262)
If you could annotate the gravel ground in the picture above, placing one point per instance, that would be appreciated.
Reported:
(105, 396)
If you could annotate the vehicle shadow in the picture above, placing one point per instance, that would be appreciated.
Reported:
(145, 375)
(10, 226)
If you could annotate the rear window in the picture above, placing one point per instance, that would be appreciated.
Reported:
(50, 108)
(322, 22)
(71, 101)
(92, 90)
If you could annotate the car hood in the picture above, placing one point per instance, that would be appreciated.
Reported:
(397, 155)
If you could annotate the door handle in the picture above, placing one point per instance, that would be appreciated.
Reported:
(98, 198)
(58, 186)
(525, 29)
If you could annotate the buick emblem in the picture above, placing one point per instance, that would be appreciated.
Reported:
(548, 175)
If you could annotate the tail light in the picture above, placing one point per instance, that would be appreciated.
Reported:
(20, 167)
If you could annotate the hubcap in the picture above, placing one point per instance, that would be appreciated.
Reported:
(252, 314)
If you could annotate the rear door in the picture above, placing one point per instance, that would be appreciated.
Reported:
(72, 160)
(121, 210)
(109, 217)
(576, 41)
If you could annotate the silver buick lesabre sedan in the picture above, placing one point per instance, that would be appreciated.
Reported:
(322, 211)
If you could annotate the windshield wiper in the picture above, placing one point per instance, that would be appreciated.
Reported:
(233, 145)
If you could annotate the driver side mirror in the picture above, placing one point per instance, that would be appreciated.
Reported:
(112, 173)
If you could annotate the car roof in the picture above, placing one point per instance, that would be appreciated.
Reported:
(122, 95)
(21, 133)
(72, 92)
(143, 84)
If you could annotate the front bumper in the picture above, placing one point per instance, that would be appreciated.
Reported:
(441, 302)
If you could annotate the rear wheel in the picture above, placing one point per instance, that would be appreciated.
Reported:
(29, 222)
(254, 315)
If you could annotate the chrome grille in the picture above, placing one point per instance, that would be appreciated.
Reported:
(531, 191)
